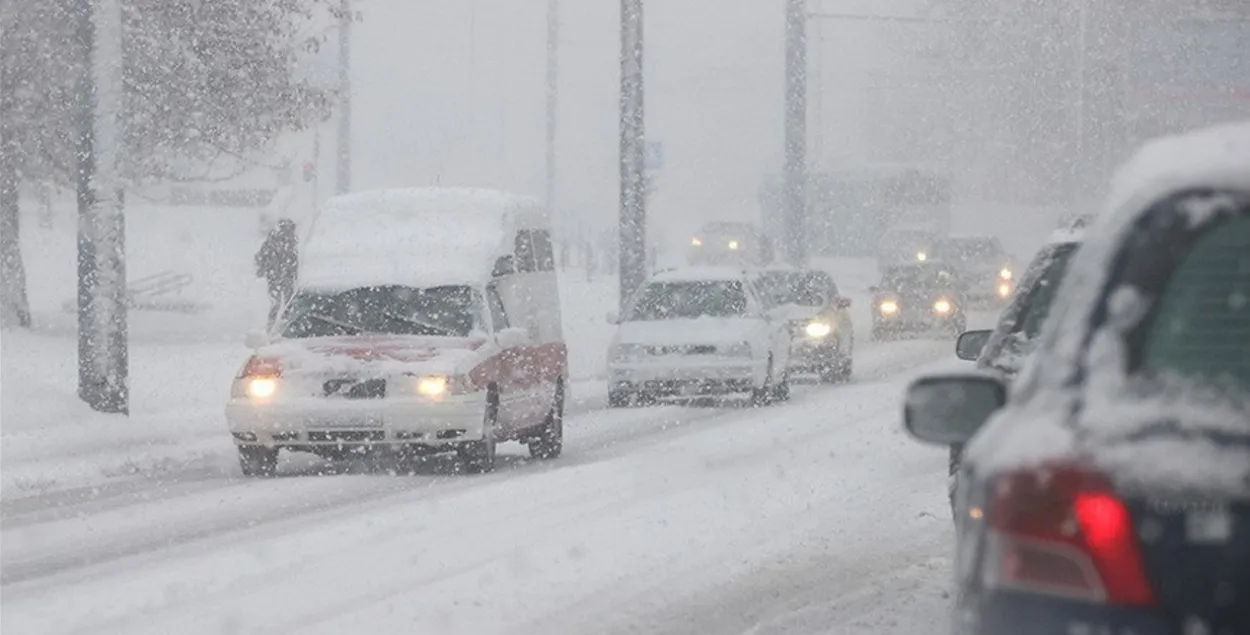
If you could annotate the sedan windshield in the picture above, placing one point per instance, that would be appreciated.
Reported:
(451, 311)
(969, 250)
(685, 300)
(916, 278)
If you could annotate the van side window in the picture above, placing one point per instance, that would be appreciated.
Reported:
(525, 261)
(497, 314)
(544, 255)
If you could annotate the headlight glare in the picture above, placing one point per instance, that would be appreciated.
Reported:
(888, 307)
(1004, 290)
(922, 256)
(432, 386)
(733, 244)
(818, 329)
(942, 306)
(1004, 273)
(695, 242)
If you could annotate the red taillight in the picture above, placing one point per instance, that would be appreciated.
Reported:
(1061, 530)
(261, 367)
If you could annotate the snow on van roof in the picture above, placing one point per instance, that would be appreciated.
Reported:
(699, 274)
(415, 237)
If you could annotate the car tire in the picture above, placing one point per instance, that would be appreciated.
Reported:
(549, 442)
(763, 395)
(781, 392)
(258, 460)
(619, 399)
(479, 456)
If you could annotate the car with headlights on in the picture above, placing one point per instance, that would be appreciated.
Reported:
(424, 320)
(1111, 492)
(985, 268)
(699, 331)
(729, 244)
(917, 298)
(822, 336)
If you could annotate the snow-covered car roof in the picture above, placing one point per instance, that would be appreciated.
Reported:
(701, 274)
(417, 237)
(1216, 158)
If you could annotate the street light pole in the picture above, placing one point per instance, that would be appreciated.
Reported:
(343, 158)
(553, 94)
(633, 216)
(795, 205)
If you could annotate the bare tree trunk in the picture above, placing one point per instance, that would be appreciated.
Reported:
(14, 307)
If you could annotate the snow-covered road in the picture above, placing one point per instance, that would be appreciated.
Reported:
(814, 516)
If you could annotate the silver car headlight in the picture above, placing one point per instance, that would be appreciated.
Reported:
(628, 352)
(818, 329)
(741, 349)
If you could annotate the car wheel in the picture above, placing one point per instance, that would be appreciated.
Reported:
(479, 456)
(763, 395)
(258, 460)
(549, 442)
(781, 392)
(619, 399)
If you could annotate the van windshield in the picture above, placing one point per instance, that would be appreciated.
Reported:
(450, 311)
(686, 300)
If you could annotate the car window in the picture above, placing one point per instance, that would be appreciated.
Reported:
(544, 255)
(525, 256)
(693, 299)
(1201, 328)
(1041, 294)
(396, 310)
(498, 316)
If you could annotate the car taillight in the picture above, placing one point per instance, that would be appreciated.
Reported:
(261, 367)
(1061, 530)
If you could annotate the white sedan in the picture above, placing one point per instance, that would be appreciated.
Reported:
(695, 332)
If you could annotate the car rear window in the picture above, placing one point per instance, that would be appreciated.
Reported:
(1201, 328)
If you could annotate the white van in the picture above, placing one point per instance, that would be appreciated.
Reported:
(425, 320)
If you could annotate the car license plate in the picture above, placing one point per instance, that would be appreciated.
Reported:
(1208, 526)
(347, 423)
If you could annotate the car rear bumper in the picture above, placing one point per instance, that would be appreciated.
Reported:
(687, 377)
(323, 422)
(813, 355)
(1016, 613)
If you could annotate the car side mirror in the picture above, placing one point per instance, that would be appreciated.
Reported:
(504, 265)
(513, 337)
(613, 317)
(950, 409)
(842, 302)
(971, 343)
(256, 339)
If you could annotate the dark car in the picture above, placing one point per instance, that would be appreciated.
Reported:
(1113, 490)
(917, 298)
(1004, 349)
(822, 335)
(984, 266)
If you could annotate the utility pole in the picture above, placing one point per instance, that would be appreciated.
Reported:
(795, 178)
(343, 158)
(103, 359)
(633, 220)
(553, 94)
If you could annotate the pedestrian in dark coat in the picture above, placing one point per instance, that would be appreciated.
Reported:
(278, 263)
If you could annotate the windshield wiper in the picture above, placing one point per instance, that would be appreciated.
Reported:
(443, 330)
(357, 330)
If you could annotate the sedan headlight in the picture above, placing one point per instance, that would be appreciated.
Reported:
(741, 349)
(1004, 290)
(943, 306)
(433, 386)
(922, 256)
(696, 242)
(1005, 273)
(733, 244)
(888, 307)
(818, 330)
